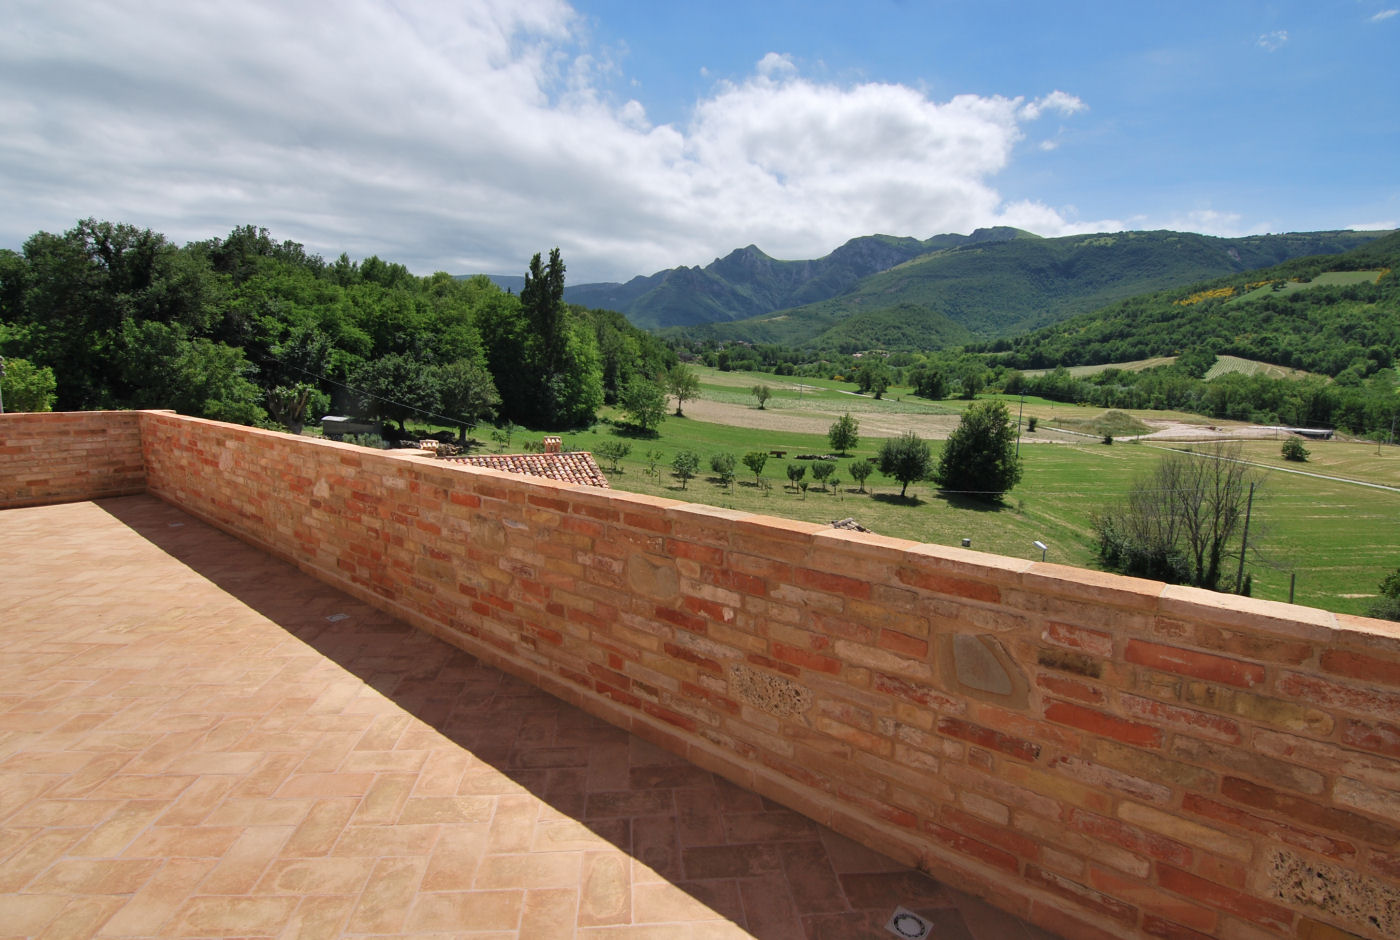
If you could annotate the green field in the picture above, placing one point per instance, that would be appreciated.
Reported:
(1330, 279)
(1339, 538)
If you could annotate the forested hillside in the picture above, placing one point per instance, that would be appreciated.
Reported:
(1296, 314)
(997, 288)
(248, 329)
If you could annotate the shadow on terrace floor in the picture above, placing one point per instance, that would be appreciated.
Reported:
(765, 869)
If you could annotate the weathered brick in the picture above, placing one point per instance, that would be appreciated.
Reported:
(833, 583)
(806, 659)
(1097, 775)
(944, 584)
(1271, 711)
(1191, 663)
(986, 737)
(958, 842)
(1276, 772)
(1183, 830)
(1082, 895)
(1371, 669)
(1330, 694)
(1379, 736)
(1275, 830)
(1308, 812)
(1132, 838)
(1092, 642)
(1185, 719)
(1252, 909)
(1103, 724)
(1070, 688)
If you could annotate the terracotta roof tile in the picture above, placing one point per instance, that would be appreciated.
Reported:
(568, 468)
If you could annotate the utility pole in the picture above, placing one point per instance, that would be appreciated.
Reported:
(2, 385)
(1018, 425)
(1244, 543)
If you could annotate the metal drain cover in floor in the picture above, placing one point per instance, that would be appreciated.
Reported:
(905, 923)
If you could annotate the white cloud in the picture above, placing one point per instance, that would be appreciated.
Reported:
(1384, 15)
(1273, 41)
(1384, 226)
(468, 136)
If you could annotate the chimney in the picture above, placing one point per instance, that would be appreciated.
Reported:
(551, 445)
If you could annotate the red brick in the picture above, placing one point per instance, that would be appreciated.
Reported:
(1279, 831)
(1129, 837)
(968, 846)
(681, 619)
(646, 522)
(986, 737)
(1253, 646)
(1079, 638)
(1334, 695)
(1358, 666)
(806, 659)
(1187, 719)
(1082, 895)
(704, 554)
(903, 644)
(690, 656)
(1105, 725)
(716, 612)
(1308, 812)
(1190, 663)
(957, 587)
(1155, 926)
(1014, 842)
(670, 717)
(914, 692)
(1241, 905)
(1069, 688)
(737, 581)
(833, 583)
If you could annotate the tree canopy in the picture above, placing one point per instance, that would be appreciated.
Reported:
(250, 329)
(979, 457)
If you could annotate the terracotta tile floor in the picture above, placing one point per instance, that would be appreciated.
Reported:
(196, 740)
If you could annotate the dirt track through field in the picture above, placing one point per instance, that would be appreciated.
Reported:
(815, 418)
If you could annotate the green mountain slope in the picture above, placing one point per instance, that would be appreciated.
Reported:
(748, 283)
(1301, 314)
(1002, 288)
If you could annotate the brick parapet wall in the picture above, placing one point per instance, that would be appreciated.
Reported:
(1104, 756)
(57, 457)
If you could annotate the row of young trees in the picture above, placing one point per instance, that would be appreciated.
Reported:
(251, 330)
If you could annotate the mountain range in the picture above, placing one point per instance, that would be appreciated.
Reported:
(881, 291)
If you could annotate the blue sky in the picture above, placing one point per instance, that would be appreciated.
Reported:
(465, 136)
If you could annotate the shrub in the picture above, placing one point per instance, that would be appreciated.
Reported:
(723, 467)
(1293, 449)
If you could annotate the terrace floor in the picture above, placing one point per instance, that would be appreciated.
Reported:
(197, 740)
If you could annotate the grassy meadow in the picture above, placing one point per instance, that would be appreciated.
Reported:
(1339, 538)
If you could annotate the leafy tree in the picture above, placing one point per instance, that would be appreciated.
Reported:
(467, 394)
(762, 393)
(844, 434)
(644, 403)
(1196, 361)
(25, 386)
(395, 388)
(822, 470)
(723, 467)
(613, 451)
(795, 473)
(980, 455)
(291, 405)
(873, 377)
(905, 458)
(1293, 449)
(930, 383)
(860, 471)
(684, 465)
(1387, 606)
(1031, 423)
(755, 460)
(1180, 523)
(683, 384)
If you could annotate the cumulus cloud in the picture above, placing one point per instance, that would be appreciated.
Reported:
(1272, 41)
(467, 136)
